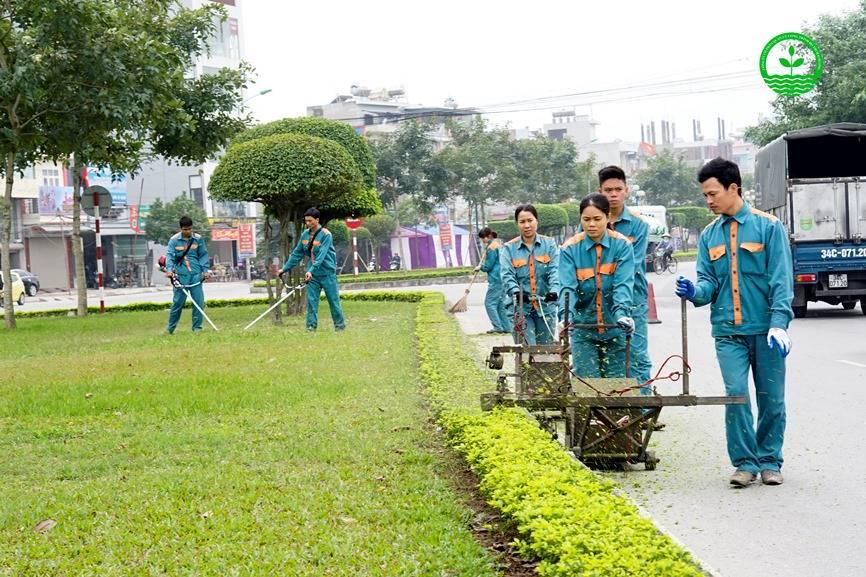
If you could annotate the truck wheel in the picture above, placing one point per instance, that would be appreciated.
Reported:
(800, 312)
(863, 305)
(848, 305)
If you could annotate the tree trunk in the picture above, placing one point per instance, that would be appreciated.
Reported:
(77, 245)
(6, 240)
(271, 282)
(295, 305)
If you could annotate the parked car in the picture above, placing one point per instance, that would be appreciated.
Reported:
(17, 289)
(30, 280)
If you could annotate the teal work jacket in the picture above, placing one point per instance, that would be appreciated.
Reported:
(745, 272)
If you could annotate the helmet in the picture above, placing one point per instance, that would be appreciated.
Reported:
(162, 261)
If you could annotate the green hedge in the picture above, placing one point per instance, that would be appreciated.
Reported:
(346, 279)
(505, 229)
(569, 520)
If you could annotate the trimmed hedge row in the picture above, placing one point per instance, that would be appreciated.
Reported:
(569, 519)
(395, 275)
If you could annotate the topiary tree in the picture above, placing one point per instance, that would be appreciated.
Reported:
(287, 173)
(505, 229)
(552, 219)
(573, 211)
(339, 132)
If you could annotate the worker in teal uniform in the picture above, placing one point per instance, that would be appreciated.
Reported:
(596, 271)
(316, 248)
(187, 261)
(629, 222)
(494, 300)
(744, 272)
(528, 265)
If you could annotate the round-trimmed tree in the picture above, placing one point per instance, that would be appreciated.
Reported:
(344, 134)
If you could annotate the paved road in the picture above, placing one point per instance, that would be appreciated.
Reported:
(812, 525)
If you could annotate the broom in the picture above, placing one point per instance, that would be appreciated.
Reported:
(461, 306)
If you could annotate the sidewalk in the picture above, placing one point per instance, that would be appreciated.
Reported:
(58, 295)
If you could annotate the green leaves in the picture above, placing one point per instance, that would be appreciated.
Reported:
(286, 170)
(568, 519)
(669, 181)
(162, 221)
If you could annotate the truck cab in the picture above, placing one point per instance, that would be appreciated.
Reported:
(814, 181)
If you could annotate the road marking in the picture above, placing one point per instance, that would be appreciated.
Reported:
(851, 363)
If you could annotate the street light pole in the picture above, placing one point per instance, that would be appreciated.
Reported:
(259, 93)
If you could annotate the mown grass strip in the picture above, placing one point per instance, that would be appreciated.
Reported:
(265, 452)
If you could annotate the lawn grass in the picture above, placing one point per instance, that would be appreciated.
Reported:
(267, 452)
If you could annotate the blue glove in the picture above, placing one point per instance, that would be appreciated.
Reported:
(626, 324)
(685, 288)
(778, 339)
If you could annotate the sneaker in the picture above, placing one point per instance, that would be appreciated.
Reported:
(167, 333)
(770, 477)
(311, 329)
(742, 478)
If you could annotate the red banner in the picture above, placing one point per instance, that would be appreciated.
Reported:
(445, 235)
(133, 218)
(247, 239)
(223, 234)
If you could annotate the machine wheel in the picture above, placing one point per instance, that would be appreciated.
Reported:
(800, 311)
(848, 305)
(659, 266)
(32, 290)
(650, 463)
(21, 299)
(495, 361)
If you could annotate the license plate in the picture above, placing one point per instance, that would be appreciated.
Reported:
(838, 281)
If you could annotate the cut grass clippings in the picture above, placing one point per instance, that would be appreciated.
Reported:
(266, 452)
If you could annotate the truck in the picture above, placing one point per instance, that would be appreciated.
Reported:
(814, 181)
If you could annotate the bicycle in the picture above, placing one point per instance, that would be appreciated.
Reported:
(662, 262)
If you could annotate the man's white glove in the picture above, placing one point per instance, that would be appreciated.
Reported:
(560, 326)
(779, 339)
(626, 324)
(477, 268)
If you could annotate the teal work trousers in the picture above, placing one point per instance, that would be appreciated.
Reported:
(750, 448)
(197, 294)
(332, 292)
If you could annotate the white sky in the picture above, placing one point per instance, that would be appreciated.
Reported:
(483, 53)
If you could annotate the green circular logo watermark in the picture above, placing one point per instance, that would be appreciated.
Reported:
(791, 64)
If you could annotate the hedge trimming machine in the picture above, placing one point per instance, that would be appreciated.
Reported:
(605, 422)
